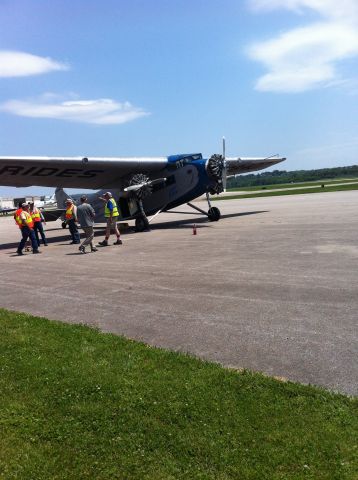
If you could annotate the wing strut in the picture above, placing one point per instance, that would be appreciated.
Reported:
(157, 213)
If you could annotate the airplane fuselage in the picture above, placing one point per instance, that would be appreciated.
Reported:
(141, 186)
(184, 179)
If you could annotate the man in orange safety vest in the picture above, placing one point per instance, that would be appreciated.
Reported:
(71, 220)
(38, 218)
(26, 225)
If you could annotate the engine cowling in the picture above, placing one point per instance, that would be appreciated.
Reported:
(215, 169)
(146, 188)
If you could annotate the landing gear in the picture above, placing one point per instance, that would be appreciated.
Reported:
(141, 224)
(64, 224)
(214, 214)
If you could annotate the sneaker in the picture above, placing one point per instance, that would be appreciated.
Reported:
(94, 249)
(103, 244)
(118, 242)
(82, 249)
(19, 252)
(36, 251)
(45, 244)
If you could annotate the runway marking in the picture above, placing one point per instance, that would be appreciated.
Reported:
(336, 248)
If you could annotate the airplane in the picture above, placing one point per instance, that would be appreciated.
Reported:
(142, 186)
(7, 211)
(7, 206)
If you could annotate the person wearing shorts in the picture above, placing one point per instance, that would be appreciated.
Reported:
(111, 214)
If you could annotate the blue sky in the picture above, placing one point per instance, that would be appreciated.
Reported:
(149, 78)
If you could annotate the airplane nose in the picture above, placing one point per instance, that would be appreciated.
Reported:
(215, 167)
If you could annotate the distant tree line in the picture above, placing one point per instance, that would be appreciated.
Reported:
(282, 176)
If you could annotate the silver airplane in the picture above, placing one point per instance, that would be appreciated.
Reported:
(141, 186)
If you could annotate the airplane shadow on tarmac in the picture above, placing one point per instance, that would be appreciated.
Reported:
(200, 221)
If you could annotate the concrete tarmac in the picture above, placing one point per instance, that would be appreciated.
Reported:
(271, 287)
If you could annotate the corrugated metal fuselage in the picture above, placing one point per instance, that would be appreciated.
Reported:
(183, 183)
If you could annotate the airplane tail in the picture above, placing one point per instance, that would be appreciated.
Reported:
(61, 197)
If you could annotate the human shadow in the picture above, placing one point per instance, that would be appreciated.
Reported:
(201, 221)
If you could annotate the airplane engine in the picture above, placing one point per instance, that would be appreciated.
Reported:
(215, 166)
(145, 185)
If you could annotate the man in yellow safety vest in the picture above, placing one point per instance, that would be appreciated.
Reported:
(26, 225)
(38, 218)
(111, 214)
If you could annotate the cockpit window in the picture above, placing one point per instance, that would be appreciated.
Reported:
(179, 161)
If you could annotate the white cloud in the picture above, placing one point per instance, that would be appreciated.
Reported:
(346, 9)
(20, 64)
(103, 111)
(307, 57)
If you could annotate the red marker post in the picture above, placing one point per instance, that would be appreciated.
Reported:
(194, 229)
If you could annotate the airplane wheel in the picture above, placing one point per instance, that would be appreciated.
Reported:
(140, 224)
(214, 214)
(64, 224)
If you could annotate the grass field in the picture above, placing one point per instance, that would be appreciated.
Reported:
(326, 183)
(290, 191)
(78, 404)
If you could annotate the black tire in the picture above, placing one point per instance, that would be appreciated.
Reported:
(214, 214)
(140, 224)
(64, 224)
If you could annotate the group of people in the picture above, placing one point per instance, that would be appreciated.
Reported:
(29, 219)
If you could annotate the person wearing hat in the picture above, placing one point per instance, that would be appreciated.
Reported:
(17, 214)
(71, 220)
(38, 218)
(85, 215)
(26, 225)
(111, 214)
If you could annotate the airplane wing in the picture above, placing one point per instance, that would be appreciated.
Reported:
(4, 211)
(234, 166)
(52, 214)
(74, 172)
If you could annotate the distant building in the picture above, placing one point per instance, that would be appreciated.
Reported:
(35, 199)
(40, 202)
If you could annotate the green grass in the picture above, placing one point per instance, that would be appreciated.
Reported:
(327, 183)
(78, 404)
(263, 193)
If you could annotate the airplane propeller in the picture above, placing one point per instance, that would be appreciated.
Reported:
(216, 167)
(141, 185)
(224, 169)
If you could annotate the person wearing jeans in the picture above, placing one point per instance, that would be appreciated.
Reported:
(85, 215)
(26, 225)
(71, 220)
(38, 218)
